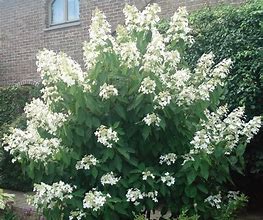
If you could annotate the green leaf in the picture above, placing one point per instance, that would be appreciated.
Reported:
(191, 177)
(118, 163)
(120, 111)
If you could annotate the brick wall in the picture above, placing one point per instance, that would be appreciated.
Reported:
(24, 31)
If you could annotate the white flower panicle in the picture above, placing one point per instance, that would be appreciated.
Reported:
(129, 54)
(95, 200)
(168, 159)
(214, 200)
(57, 67)
(150, 119)
(147, 86)
(109, 179)
(48, 196)
(107, 91)
(203, 67)
(187, 157)
(221, 126)
(133, 195)
(40, 115)
(77, 215)
(86, 162)
(152, 195)
(179, 28)
(106, 136)
(168, 179)
(99, 35)
(252, 128)
(233, 195)
(147, 174)
(29, 144)
(162, 99)
(139, 21)
(154, 58)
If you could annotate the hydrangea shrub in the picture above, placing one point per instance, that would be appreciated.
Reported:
(134, 132)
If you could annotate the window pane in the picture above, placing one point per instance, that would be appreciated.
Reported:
(73, 10)
(57, 11)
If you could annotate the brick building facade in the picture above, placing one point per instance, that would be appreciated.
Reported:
(25, 29)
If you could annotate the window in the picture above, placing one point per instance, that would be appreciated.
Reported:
(62, 11)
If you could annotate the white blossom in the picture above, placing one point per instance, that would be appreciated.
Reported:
(110, 179)
(179, 28)
(147, 174)
(163, 99)
(28, 143)
(95, 200)
(48, 196)
(86, 162)
(233, 195)
(129, 54)
(147, 86)
(77, 215)
(169, 159)
(106, 136)
(168, 179)
(252, 128)
(58, 67)
(107, 91)
(40, 115)
(140, 21)
(214, 200)
(152, 195)
(150, 119)
(133, 195)
(99, 34)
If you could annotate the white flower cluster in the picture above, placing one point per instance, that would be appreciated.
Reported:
(48, 196)
(31, 145)
(147, 174)
(150, 119)
(138, 21)
(221, 126)
(110, 179)
(86, 162)
(57, 67)
(169, 159)
(77, 215)
(147, 86)
(168, 179)
(107, 91)
(214, 200)
(162, 99)
(133, 195)
(179, 28)
(129, 54)
(233, 195)
(99, 33)
(151, 195)
(95, 200)
(40, 115)
(106, 136)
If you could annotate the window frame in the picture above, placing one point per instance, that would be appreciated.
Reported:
(66, 21)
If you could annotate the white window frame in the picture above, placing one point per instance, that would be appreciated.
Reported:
(65, 14)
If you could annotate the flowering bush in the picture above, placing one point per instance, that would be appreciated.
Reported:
(136, 131)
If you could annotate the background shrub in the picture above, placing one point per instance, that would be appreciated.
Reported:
(12, 102)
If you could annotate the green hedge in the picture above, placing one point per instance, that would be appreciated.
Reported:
(235, 32)
(12, 102)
